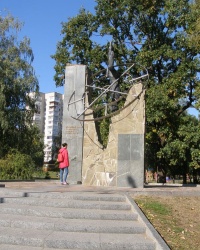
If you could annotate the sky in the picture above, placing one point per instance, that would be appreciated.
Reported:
(42, 25)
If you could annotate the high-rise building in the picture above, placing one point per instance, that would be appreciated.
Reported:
(48, 118)
(53, 123)
(39, 118)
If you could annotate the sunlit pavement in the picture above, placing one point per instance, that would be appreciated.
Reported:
(55, 186)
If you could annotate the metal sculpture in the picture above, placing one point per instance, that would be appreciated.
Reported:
(113, 78)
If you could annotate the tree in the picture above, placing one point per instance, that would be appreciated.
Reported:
(194, 40)
(17, 80)
(181, 153)
(194, 30)
(154, 34)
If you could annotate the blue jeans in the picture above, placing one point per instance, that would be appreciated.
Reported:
(63, 174)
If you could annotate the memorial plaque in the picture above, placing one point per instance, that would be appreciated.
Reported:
(130, 169)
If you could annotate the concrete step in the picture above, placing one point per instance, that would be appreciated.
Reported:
(71, 225)
(65, 195)
(70, 213)
(67, 203)
(17, 247)
(71, 220)
(77, 196)
(73, 240)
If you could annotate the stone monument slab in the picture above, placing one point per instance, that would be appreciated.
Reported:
(72, 129)
(130, 167)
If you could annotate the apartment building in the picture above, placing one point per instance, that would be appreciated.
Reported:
(38, 117)
(53, 123)
(48, 118)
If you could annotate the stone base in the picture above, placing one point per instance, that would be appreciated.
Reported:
(121, 164)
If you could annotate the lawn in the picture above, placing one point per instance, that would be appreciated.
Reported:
(177, 219)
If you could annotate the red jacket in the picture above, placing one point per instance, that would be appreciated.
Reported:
(65, 163)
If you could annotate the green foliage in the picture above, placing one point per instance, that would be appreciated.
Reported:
(17, 80)
(16, 166)
(181, 151)
(47, 176)
(104, 131)
(157, 35)
(32, 144)
(193, 32)
(53, 174)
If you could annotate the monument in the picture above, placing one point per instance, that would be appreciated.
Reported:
(73, 130)
(121, 163)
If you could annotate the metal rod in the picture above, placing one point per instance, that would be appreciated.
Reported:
(135, 79)
(106, 90)
(109, 90)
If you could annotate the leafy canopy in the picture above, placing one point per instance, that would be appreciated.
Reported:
(162, 36)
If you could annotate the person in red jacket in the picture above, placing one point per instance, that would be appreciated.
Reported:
(63, 166)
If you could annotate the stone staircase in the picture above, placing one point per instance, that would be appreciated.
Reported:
(72, 220)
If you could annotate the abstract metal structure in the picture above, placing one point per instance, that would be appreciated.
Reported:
(108, 91)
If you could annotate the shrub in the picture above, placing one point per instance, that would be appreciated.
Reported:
(16, 166)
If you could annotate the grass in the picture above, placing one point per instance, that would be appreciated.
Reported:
(156, 207)
(175, 218)
(46, 175)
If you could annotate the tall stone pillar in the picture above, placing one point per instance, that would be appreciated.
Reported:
(72, 129)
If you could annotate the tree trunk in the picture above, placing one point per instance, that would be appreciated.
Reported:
(184, 178)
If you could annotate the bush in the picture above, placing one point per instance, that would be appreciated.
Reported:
(16, 166)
